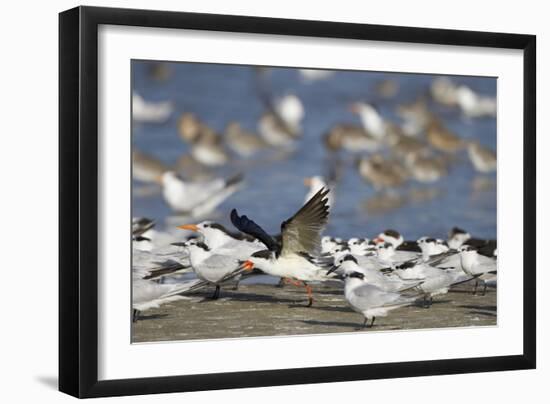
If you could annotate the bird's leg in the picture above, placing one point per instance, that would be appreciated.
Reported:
(431, 301)
(236, 287)
(309, 291)
(282, 282)
(372, 321)
(484, 289)
(475, 287)
(364, 325)
(425, 303)
(135, 315)
(216, 293)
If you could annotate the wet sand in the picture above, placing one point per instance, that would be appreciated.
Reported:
(267, 310)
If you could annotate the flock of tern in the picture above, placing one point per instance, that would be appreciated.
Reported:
(378, 275)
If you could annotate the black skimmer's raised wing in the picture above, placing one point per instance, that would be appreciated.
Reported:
(302, 232)
(247, 226)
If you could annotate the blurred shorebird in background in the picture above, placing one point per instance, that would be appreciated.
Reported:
(197, 198)
(150, 112)
(483, 159)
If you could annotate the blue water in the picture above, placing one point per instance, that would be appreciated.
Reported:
(274, 189)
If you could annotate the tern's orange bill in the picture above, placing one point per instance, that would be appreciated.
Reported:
(248, 265)
(378, 240)
(192, 227)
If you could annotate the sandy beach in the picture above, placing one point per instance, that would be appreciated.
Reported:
(267, 310)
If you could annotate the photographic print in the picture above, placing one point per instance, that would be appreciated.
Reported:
(277, 201)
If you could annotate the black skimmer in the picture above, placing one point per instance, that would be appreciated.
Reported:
(297, 257)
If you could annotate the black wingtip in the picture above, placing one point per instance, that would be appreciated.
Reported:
(234, 216)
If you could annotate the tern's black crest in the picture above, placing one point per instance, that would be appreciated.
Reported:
(244, 224)
(349, 257)
(202, 245)
(392, 233)
(456, 230)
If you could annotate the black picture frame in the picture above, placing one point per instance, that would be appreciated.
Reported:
(78, 201)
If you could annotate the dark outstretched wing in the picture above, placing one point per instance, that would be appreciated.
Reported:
(244, 224)
(302, 232)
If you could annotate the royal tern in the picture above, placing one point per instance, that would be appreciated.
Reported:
(459, 237)
(329, 244)
(212, 266)
(369, 300)
(147, 294)
(484, 269)
(297, 257)
(436, 281)
(371, 269)
(388, 255)
(197, 198)
(361, 246)
(222, 241)
(397, 241)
